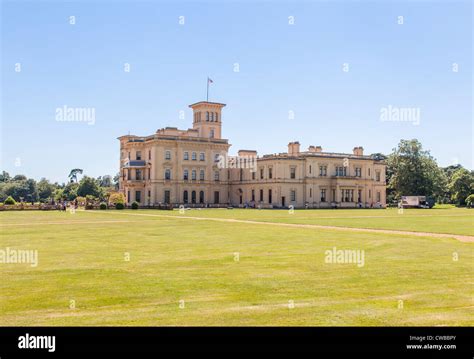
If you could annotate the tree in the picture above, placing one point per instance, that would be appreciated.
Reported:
(69, 192)
(461, 186)
(19, 178)
(73, 174)
(22, 190)
(105, 181)
(116, 181)
(470, 200)
(88, 186)
(4, 177)
(412, 171)
(45, 190)
(58, 194)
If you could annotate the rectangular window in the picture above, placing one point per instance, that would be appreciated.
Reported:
(378, 197)
(128, 196)
(201, 175)
(369, 171)
(186, 156)
(138, 175)
(139, 155)
(261, 173)
(216, 176)
(359, 196)
(341, 171)
(253, 195)
(167, 198)
(323, 195)
(270, 196)
(253, 175)
(201, 156)
(167, 155)
(292, 172)
(193, 156)
(310, 192)
(193, 175)
(149, 155)
(293, 195)
(309, 169)
(261, 195)
(358, 172)
(370, 193)
(377, 176)
(216, 197)
(185, 175)
(138, 196)
(323, 170)
(211, 133)
(167, 174)
(270, 172)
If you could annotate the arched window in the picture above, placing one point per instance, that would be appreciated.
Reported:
(193, 197)
(201, 197)
(185, 196)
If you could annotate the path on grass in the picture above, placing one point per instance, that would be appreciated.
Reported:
(459, 237)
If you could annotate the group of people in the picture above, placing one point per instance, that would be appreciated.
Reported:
(62, 205)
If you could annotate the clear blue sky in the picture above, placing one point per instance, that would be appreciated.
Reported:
(282, 68)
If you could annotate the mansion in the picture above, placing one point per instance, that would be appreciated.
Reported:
(192, 168)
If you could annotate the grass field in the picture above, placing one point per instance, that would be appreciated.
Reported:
(184, 271)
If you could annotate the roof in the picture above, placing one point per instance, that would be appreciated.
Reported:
(208, 103)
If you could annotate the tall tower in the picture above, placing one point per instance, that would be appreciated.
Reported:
(207, 118)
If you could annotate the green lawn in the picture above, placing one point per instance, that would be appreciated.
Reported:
(446, 220)
(81, 258)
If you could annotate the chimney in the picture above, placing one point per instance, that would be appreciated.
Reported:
(315, 149)
(294, 148)
(358, 151)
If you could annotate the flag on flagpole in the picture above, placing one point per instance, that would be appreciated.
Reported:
(209, 81)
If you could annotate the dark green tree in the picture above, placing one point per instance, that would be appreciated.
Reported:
(461, 186)
(413, 171)
(88, 186)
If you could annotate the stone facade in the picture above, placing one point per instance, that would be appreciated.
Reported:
(192, 167)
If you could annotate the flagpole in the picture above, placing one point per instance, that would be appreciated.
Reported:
(207, 92)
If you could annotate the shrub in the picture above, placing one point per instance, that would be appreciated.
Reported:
(119, 205)
(103, 206)
(470, 200)
(10, 200)
(116, 197)
(135, 205)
